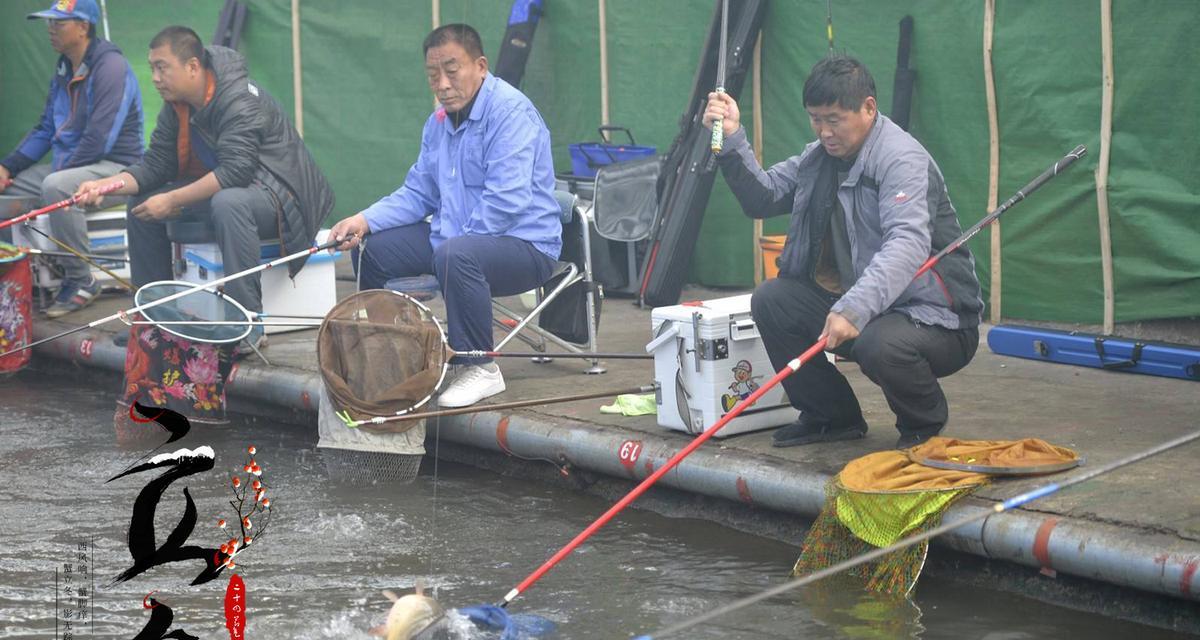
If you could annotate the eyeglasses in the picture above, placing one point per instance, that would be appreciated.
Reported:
(56, 23)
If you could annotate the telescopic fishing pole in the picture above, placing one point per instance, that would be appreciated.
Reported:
(175, 296)
(76, 254)
(718, 134)
(875, 554)
(829, 24)
(59, 205)
(63, 254)
(788, 370)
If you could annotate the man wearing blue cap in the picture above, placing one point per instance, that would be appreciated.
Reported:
(91, 125)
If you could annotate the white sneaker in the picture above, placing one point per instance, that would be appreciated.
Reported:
(472, 385)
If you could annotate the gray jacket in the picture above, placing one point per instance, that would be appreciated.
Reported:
(253, 139)
(898, 213)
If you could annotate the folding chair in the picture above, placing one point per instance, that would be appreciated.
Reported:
(575, 270)
(567, 273)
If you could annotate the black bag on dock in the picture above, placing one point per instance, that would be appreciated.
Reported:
(687, 174)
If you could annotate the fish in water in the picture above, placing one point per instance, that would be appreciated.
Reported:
(409, 615)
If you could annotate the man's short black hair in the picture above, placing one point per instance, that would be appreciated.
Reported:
(463, 34)
(184, 43)
(838, 79)
(91, 31)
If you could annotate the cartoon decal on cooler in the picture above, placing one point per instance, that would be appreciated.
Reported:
(743, 385)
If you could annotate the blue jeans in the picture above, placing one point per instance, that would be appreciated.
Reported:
(470, 269)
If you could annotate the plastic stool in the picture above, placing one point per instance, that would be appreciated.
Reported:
(420, 288)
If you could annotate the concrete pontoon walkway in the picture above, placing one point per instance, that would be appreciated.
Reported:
(1103, 415)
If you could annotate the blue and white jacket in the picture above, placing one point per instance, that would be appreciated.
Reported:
(91, 115)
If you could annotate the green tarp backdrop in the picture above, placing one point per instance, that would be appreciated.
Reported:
(365, 99)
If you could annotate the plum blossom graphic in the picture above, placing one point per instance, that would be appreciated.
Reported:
(253, 509)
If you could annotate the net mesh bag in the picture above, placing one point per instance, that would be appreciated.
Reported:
(880, 498)
(380, 353)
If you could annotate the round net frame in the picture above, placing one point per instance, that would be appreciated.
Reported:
(381, 353)
(218, 318)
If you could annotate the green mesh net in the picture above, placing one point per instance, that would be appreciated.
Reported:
(881, 498)
(831, 540)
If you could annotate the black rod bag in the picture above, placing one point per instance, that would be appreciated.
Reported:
(687, 175)
(518, 39)
(906, 76)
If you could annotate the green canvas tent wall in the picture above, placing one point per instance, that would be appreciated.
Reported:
(365, 99)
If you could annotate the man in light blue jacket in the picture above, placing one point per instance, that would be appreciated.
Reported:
(486, 176)
(868, 207)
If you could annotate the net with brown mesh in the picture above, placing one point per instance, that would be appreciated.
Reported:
(886, 496)
(380, 353)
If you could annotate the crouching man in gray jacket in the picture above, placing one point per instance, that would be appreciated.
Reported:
(868, 206)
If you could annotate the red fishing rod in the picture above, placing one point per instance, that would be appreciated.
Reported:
(788, 370)
(59, 205)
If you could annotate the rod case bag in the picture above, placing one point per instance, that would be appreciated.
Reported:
(687, 175)
(1088, 350)
(518, 39)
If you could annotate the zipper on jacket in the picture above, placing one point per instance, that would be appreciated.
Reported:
(71, 113)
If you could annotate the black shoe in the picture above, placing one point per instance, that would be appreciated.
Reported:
(805, 431)
(910, 440)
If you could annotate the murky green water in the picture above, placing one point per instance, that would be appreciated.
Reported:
(319, 569)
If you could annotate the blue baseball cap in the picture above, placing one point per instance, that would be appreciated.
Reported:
(70, 10)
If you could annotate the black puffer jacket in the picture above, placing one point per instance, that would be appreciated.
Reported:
(250, 134)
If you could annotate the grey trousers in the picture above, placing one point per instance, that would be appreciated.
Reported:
(66, 225)
(242, 218)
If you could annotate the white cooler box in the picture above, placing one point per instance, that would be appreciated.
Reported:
(707, 358)
(312, 293)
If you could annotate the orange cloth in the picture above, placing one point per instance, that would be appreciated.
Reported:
(1030, 452)
(190, 165)
(892, 471)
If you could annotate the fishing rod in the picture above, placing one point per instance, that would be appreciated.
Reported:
(180, 294)
(60, 204)
(64, 254)
(718, 134)
(786, 371)
(875, 554)
(73, 253)
(829, 24)
(500, 406)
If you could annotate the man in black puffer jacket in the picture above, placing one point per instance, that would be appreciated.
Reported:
(222, 150)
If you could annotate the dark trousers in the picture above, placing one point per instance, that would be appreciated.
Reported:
(242, 218)
(471, 270)
(903, 357)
